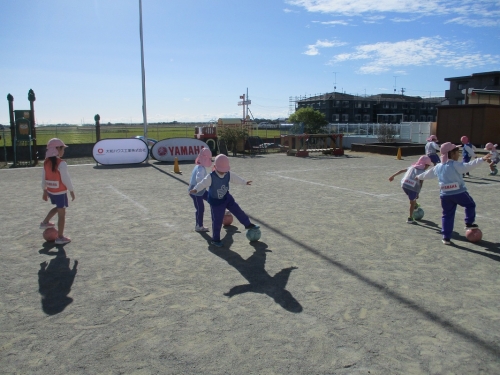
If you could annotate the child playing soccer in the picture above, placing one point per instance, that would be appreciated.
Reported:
(203, 161)
(467, 151)
(411, 186)
(452, 188)
(55, 184)
(219, 197)
(494, 157)
(431, 148)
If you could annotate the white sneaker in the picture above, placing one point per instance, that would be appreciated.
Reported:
(62, 240)
(201, 229)
(46, 225)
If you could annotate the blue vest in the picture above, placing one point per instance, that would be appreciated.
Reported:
(218, 190)
(465, 154)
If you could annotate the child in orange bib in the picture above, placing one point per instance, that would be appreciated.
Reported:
(55, 184)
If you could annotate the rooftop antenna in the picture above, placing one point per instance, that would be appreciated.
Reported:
(395, 85)
(403, 91)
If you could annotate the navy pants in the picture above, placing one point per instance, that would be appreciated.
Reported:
(449, 204)
(218, 215)
(434, 158)
(199, 205)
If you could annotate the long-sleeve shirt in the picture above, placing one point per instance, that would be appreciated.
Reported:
(66, 180)
(431, 148)
(449, 175)
(207, 181)
(198, 174)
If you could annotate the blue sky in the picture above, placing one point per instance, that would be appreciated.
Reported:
(83, 57)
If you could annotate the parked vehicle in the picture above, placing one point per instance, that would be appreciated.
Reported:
(150, 141)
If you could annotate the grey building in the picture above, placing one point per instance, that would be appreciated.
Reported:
(484, 81)
(382, 108)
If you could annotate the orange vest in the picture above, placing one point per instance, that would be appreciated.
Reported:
(53, 181)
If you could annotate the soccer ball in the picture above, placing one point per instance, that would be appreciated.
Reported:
(418, 214)
(253, 234)
(50, 234)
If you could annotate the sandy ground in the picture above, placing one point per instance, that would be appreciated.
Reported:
(338, 283)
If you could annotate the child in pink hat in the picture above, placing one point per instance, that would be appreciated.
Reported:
(468, 151)
(411, 186)
(55, 184)
(203, 161)
(431, 149)
(494, 157)
(219, 197)
(452, 188)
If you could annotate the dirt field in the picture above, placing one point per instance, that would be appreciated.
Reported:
(338, 283)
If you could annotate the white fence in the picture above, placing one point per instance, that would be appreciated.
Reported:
(416, 132)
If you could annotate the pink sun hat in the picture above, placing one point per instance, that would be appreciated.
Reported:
(221, 163)
(445, 148)
(490, 147)
(432, 138)
(55, 142)
(204, 158)
(464, 139)
(422, 162)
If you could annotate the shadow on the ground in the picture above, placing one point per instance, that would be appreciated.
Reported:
(55, 280)
(253, 269)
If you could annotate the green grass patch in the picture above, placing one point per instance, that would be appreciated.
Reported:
(87, 134)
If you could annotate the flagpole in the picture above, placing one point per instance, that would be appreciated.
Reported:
(144, 113)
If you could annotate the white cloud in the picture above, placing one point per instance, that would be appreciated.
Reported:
(478, 13)
(333, 23)
(384, 56)
(313, 49)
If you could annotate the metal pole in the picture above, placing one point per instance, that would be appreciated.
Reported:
(144, 113)
(4, 147)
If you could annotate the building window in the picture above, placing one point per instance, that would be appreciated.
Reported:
(394, 105)
(461, 85)
(412, 118)
(460, 101)
(366, 118)
(412, 105)
(337, 103)
(422, 118)
(345, 104)
(405, 105)
(345, 117)
(357, 118)
(385, 105)
(335, 118)
(367, 105)
(359, 105)
(430, 118)
(405, 118)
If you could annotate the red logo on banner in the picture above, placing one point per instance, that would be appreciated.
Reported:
(100, 150)
(162, 151)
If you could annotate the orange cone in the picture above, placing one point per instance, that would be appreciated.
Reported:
(399, 154)
(176, 166)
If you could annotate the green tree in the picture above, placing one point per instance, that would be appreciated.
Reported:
(231, 135)
(313, 120)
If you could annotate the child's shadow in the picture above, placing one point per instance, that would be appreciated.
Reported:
(253, 270)
(55, 280)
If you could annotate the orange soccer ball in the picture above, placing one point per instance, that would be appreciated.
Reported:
(50, 234)
(474, 235)
(228, 219)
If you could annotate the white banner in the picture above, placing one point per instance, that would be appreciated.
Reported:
(181, 148)
(120, 151)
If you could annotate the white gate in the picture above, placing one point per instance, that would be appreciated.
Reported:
(419, 131)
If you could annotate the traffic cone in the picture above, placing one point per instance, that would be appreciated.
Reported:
(176, 166)
(399, 154)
